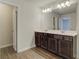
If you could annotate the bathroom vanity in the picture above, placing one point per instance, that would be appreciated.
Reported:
(61, 43)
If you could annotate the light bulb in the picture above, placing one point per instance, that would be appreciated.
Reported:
(49, 9)
(67, 3)
(44, 10)
(59, 6)
(63, 5)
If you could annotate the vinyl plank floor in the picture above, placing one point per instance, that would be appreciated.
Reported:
(34, 53)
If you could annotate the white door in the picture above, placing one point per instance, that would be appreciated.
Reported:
(15, 29)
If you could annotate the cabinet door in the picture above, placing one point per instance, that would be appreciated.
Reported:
(66, 48)
(52, 45)
(44, 41)
(37, 39)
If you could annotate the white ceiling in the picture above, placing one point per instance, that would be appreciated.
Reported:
(41, 2)
(44, 2)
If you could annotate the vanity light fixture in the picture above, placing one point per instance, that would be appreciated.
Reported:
(47, 10)
(44, 11)
(64, 4)
(59, 6)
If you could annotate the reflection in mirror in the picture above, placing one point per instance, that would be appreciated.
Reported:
(65, 18)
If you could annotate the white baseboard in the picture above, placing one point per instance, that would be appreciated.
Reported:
(24, 49)
(7, 45)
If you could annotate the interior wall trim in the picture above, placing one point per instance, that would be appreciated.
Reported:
(7, 45)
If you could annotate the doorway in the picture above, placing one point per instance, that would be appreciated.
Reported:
(8, 24)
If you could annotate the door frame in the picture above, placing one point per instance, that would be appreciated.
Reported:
(8, 3)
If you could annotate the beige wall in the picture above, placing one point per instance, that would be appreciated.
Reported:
(6, 35)
(46, 21)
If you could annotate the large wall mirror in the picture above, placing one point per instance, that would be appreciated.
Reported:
(63, 14)
(65, 18)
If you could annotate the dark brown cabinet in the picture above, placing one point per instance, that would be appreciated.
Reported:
(61, 45)
(41, 40)
(65, 48)
(52, 43)
(38, 36)
(44, 40)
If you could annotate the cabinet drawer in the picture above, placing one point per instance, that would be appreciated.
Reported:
(68, 38)
(58, 37)
(50, 35)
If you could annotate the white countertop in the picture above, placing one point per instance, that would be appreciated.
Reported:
(68, 33)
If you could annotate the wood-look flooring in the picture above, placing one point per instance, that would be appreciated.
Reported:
(34, 53)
